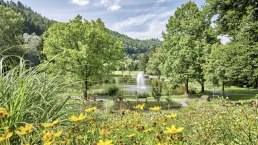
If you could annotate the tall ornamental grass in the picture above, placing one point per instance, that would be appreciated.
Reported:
(29, 95)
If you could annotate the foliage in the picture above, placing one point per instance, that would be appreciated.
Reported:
(83, 49)
(112, 90)
(30, 96)
(238, 20)
(10, 33)
(186, 40)
(33, 22)
(231, 13)
(154, 62)
(179, 90)
(157, 86)
(144, 58)
(217, 122)
(231, 63)
(134, 47)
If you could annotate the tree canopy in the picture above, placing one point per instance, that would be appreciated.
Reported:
(186, 40)
(82, 48)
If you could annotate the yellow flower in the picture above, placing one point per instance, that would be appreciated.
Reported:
(3, 113)
(92, 109)
(6, 136)
(49, 136)
(170, 116)
(107, 142)
(156, 108)
(104, 132)
(50, 124)
(23, 130)
(140, 106)
(161, 144)
(79, 137)
(148, 130)
(173, 130)
(79, 118)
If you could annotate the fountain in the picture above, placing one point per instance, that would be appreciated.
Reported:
(141, 86)
(140, 81)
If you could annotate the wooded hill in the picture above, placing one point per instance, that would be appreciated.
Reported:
(38, 24)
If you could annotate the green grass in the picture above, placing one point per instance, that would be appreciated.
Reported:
(236, 90)
(126, 73)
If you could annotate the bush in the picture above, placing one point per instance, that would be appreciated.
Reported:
(112, 91)
(157, 86)
(179, 90)
(143, 95)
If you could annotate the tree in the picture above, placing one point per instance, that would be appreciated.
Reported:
(230, 14)
(187, 37)
(230, 63)
(11, 28)
(10, 34)
(239, 20)
(144, 58)
(154, 63)
(82, 48)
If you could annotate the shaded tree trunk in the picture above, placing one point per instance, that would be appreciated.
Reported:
(203, 89)
(223, 90)
(256, 84)
(186, 87)
(85, 92)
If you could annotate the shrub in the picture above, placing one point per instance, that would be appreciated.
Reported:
(179, 90)
(112, 90)
(156, 88)
(143, 95)
(108, 105)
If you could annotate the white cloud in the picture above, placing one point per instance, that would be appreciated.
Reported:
(112, 5)
(160, 1)
(155, 23)
(133, 21)
(80, 2)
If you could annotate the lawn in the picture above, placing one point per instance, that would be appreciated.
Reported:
(126, 73)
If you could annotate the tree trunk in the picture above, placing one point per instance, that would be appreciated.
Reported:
(223, 90)
(256, 84)
(186, 87)
(203, 89)
(85, 93)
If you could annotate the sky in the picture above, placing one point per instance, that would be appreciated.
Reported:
(141, 19)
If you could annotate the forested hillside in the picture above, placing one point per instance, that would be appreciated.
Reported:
(38, 24)
(135, 47)
(33, 22)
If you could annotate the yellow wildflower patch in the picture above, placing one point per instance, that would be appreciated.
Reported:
(171, 116)
(173, 130)
(77, 118)
(107, 142)
(6, 136)
(139, 107)
(23, 130)
(49, 136)
(156, 108)
(50, 124)
(92, 109)
(3, 113)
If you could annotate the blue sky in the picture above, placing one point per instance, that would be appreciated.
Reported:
(142, 19)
